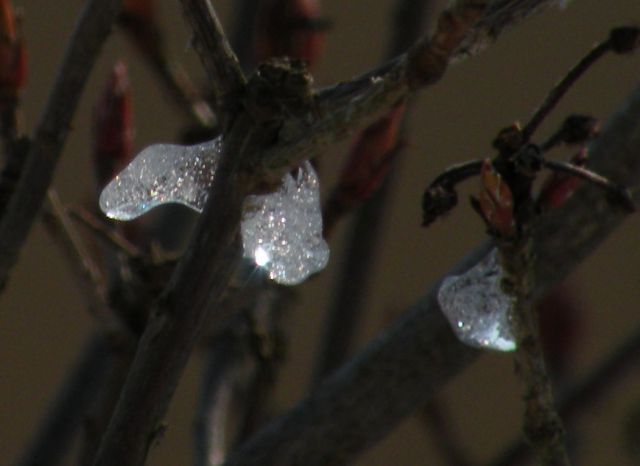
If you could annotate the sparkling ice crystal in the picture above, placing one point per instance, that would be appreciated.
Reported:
(160, 174)
(281, 231)
(477, 308)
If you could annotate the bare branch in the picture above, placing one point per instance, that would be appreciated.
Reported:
(403, 368)
(92, 29)
(215, 52)
(178, 319)
(465, 28)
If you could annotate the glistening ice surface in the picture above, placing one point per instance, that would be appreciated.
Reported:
(160, 174)
(477, 308)
(281, 232)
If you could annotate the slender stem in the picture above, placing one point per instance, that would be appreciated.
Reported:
(215, 53)
(91, 279)
(458, 173)
(67, 413)
(542, 425)
(183, 91)
(104, 231)
(604, 378)
(92, 29)
(618, 192)
(347, 106)
(563, 86)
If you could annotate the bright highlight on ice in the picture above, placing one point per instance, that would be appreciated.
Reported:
(477, 308)
(281, 231)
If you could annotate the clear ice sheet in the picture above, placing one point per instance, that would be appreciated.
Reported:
(160, 174)
(281, 231)
(477, 308)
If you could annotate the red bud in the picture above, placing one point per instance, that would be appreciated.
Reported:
(113, 126)
(369, 162)
(13, 57)
(495, 202)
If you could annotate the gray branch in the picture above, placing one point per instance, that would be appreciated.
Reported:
(92, 29)
(410, 362)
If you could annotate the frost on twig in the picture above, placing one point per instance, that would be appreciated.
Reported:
(281, 231)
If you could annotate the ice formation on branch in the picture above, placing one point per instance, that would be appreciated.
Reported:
(477, 308)
(281, 231)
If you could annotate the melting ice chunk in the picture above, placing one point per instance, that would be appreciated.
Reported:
(281, 231)
(160, 174)
(477, 308)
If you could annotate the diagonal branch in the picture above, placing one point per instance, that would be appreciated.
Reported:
(467, 27)
(212, 45)
(92, 29)
(399, 372)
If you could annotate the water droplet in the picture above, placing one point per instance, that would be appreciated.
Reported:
(477, 308)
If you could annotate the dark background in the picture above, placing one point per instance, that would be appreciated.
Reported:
(43, 323)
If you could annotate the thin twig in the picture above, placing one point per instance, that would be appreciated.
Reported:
(617, 192)
(542, 426)
(349, 105)
(215, 53)
(563, 86)
(183, 91)
(91, 31)
(605, 377)
(90, 276)
(403, 368)
(105, 232)
(67, 413)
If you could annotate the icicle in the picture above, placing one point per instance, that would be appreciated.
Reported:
(281, 231)
(477, 308)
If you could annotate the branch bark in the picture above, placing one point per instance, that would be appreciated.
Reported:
(92, 29)
(215, 52)
(466, 28)
(411, 361)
